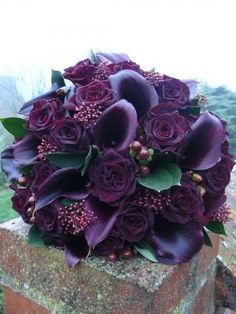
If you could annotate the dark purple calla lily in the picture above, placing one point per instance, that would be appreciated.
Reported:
(174, 243)
(135, 89)
(75, 249)
(202, 146)
(116, 127)
(66, 182)
(25, 151)
(106, 217)
(8, 165)
(111, 57)
(27, 107)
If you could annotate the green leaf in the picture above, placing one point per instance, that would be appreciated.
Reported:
(153, 69)
(15, 126)
(93, 57)
(145, 250)
(64, 160)
(34, 237)
(57, 78)
(216, 227)
(87, 161)
(207, 240)
(162, 178)
(26, 169)
(67, 202)
(194, 110)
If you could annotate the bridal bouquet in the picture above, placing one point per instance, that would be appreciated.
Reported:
(115, 161)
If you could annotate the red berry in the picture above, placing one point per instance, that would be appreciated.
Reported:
(31, 200)
(127, 253)
(23, 180)
(136, 146)
(144, 170)
(30, 210)
(143, 154)
(112, 257)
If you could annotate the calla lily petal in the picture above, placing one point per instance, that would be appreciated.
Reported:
(134, 88)
(75, 249)
(203, 144)
(116, 127)
(174, 243)
(66, 182)
(8, 165)
(27, 107)
(25, 151)
(111, 57)
(106, 217)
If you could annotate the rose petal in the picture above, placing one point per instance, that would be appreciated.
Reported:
(8, 165)
(75, 249)
(192, 86)
(135, 89)
(25, 151)
(175, 243)
(66, 182)
(106, 217)
(26, 108)
(116, 127)
(111, 57)
(202, 148)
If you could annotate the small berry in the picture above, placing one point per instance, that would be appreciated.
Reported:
(151, 151)
(196, 178)
(136, 146)
(23, 180)
(32, 220)
(144, 170)
(31, 200)
(127, 253)
(30, 210)
(112, 257)
(143, 154)
(202, 190)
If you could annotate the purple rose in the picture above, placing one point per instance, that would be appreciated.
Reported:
(81, 73)
(68, 135)
(112, 243)
(20, 201)
(171, 89)
(125, 65)
(96, 92)
(185, 202)
(113, 177)
(166, 131)
(46, 217)
(134, 222)
(217, 178)
(41, 172)
(44, 113)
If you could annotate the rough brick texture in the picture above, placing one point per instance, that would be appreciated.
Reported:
(97, 286)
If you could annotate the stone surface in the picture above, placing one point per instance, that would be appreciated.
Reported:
(98, 286)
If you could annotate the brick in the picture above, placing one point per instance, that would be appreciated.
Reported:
(95, 285)
(15, 303)
(208, 254)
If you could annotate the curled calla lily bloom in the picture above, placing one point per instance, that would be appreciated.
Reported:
(8, 165)
(27, 107)
(75, 249)
(25, 151)
(106, 217)
(66, 182)
(202, 146)
(116, 127)
(135, 89)
(111, 57)
(175, 243)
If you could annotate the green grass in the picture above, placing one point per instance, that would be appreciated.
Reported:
(6, 213)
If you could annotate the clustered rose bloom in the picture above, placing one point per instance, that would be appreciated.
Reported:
(120, 159)
(113, 177)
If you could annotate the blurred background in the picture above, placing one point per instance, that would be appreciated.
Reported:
(185, 39)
